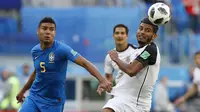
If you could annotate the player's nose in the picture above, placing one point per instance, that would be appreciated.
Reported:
(48, 31)
(141, 32)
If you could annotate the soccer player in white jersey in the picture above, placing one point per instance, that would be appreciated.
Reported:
(195, 89)
(123, 48)
(133, 91)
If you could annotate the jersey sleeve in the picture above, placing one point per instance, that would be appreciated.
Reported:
(34, 52)
(148, 55)
(70, 54)
(196, 79)
(108, 68)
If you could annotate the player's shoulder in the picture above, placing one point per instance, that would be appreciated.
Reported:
(61, 45)
(63, 48)
(197, 70)
(132, 46)
(35, 48)
(196, 74)
(152, 47)
(107, 57)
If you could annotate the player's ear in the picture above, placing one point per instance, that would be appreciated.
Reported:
(155, 36)
(37, 32)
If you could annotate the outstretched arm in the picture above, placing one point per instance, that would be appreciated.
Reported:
(193, 90)
(189, 93)
(89, 67)
(93, 71)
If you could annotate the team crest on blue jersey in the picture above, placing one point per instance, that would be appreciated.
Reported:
(51, 57)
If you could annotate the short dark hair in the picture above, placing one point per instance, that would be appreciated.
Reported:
(121, 25)
(47, 20)
(197, 53)
(147, 21)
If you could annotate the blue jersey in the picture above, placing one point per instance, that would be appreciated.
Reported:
(51, 66)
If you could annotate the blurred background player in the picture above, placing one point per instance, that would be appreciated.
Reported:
(124, 49)
(24, 74)
(195, 89)
(10, 89)
(133, 91)
(162, 100)
(50, 59)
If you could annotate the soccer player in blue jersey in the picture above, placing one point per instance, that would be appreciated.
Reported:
(46, 83)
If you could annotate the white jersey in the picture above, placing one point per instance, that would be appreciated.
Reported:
(139, 88)
(110, 66)
(196, 79)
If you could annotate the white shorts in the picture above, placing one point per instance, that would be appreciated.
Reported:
(121, 105)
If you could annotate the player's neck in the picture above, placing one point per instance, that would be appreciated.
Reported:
(121, 48)
(141, 45)
(45, 45)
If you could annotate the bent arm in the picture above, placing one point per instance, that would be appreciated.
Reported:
(131, 69)
(147, 57)
(191, 92)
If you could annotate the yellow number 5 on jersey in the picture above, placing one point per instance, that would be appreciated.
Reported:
(43, 69)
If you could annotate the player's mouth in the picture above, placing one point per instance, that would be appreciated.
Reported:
(142, 37)
(46, 37)
(119, 39)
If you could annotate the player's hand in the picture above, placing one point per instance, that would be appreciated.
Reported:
(20, 97)
(113, 55)
(179, 101)
(100, 90)
(105, 85)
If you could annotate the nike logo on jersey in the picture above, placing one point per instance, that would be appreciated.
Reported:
(36, 57)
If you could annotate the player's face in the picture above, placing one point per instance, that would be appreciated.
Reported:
(197, 60)
(46, 32)
(145, 34)
(120, 35)
(5, 74)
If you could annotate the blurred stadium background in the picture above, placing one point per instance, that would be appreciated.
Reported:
(87, 26)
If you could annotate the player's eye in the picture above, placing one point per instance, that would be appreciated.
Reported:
(122, 33)
(116, 32)
(140, 28)
(148, 30)
(52, 29)
(44, 28)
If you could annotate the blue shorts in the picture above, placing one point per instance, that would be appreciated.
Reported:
(31, 105)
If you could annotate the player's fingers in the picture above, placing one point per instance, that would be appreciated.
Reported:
(19, 101)
(107, 88)
(110, 88)
(177, 102)
(99, 92)
(110, 52)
